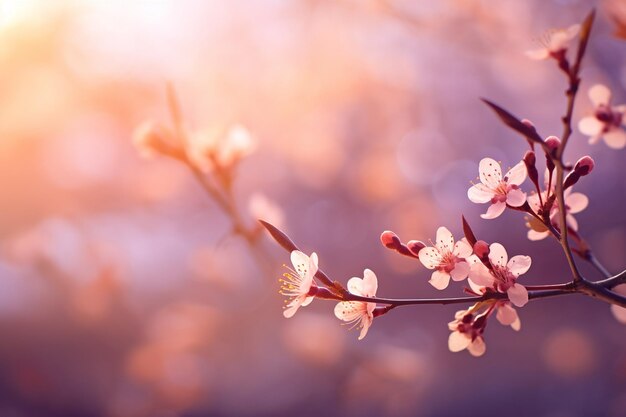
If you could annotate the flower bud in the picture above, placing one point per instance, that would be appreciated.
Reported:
(389, 239)
(553, 143)
(571, 179)
(415, 246)
(584, 165)
(481, 249)
(529, 161)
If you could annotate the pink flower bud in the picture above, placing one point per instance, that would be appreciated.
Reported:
(415, 246)
(481, 249)
(553, 143)
(529, 161)
(528, 123)
(584, 165)
(389, 239)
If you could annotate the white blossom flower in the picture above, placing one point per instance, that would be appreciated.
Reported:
(358, 312)
(554, 43)
(297, 283)
(467, 330)
(574, 203)
(608, 122)
(503, 277)
(447, 258)
(497, 190)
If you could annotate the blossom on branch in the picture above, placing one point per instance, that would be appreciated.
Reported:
(447, 258)
(574, 203)
(360, 313)
(211, 150)
(495, 189)
(298, 283)
(554, 44)
(467, 332)
(608, 122)
(503, 274)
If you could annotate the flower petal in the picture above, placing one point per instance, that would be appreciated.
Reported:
(615, 138)
(494, 210)
(369, 285)
(590, 126)
(366, 322)
(518, 265)
(515, 198)
(518, 295)
(348, 310)
(430, 257)
(445, 240)
(498, 255)
(599, 95)
(440, 279)
(534, 235)
(307, 301)
(538, 54)
(462, 248)
(457, 341)
(619, 312)
(517, 174)
(301, 263)
(480, 193)
(479, 274)
(506, 314)
(355, 286)
(571, 221)
(490, 172)
(477, 347)
(460, 271)
(576, 202)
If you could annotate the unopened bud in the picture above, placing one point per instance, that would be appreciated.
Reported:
(584, 165)
(415, 246)
(389, 239)
(571, 179)
(552, 143)
(481, 249)
(529, 161)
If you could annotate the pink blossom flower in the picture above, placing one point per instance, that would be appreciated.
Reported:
(574, 203)
(619, 312)
(467, 330)
(212, 149)
(298, 282)
(497, 190)
(446, 258)
(358, 312)
(608, 121)
(503, 277)
(554, 43)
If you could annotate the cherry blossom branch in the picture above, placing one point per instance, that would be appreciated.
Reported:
(336, 291)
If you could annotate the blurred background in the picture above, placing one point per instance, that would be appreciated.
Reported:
(122, 289)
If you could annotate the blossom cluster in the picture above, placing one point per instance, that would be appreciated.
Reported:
(490, 274)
